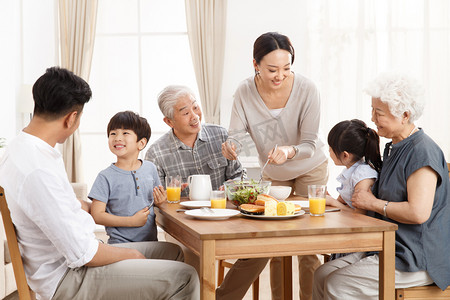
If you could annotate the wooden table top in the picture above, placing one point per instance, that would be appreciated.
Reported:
(244, 227)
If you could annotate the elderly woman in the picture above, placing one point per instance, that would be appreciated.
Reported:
(413, 191)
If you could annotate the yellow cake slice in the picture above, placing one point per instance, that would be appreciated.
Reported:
(285, 208)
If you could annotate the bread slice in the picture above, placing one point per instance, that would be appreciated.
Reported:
(270, 208)
(251, 209)
(262, 198)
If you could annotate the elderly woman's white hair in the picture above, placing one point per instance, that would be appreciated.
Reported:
(400, 91)
(169, 97)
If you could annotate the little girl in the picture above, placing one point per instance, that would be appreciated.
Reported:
(355, 146)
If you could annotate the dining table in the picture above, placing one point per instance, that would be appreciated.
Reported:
(244, 237)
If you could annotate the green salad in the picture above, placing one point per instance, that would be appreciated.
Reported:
(242, 192)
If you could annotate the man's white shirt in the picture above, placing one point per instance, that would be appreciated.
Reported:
(54, 233)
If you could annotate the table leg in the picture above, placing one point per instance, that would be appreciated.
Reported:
(287, 277)
(386, 284)
(207, 270)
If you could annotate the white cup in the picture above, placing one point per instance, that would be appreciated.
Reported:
(199, 187)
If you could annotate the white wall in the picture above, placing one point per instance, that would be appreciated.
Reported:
(8, 67)
(28, 47)
(246, 20)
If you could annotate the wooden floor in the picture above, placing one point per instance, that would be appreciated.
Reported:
(13, 296)
(264, 283)
(264, 280)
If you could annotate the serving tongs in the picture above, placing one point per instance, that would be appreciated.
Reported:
(238, 147)
(267, 161)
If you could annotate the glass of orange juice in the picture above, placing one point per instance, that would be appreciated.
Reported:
(218, 199)
(173, 188)
(317, 199)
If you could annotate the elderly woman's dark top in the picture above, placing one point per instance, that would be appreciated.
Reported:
(419, 246)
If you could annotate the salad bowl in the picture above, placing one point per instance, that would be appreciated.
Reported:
(245, 191)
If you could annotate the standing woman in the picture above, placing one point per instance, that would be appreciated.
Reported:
(279, 107)
(413, 191)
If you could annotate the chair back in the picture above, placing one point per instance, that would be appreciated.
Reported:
(24, 291)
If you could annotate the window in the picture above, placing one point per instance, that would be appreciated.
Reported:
(141, 46)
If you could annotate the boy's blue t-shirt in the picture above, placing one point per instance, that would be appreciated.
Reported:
(125, 193)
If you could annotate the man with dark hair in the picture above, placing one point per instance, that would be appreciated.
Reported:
(58, 92)
(62, 258)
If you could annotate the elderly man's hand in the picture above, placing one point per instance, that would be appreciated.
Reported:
(229, 151)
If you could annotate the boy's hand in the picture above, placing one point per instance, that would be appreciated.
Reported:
(159, 195)
(140, 218)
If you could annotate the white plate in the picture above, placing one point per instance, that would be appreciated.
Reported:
(218, 214)
(302, 212)
(302, 203)
(196, 204)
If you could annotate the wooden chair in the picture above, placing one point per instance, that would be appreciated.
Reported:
(25, 293)
(429, 292)
(225, 264)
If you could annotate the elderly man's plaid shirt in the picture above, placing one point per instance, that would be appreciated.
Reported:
(172, 157)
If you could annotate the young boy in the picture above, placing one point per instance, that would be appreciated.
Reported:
(123, 194)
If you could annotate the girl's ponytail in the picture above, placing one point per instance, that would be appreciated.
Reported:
(372, 150)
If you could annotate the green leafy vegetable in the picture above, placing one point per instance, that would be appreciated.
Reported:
(241, 192)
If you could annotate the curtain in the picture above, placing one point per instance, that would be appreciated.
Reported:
(345, 46)
(77, 20)
(206, 22)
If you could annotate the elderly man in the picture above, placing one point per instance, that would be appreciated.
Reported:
(62, 257)
(192, 148)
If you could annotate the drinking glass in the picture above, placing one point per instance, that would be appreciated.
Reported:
(218, 199)
(317, 199)
(234, 143)
(173, 188)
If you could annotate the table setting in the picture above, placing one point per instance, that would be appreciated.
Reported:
(205, 204)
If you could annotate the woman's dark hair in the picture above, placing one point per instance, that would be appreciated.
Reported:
(131, 121)
(269, 42)
(356, 138)
(58, 92)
